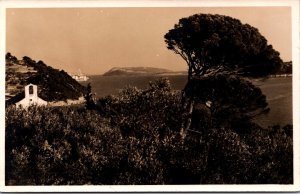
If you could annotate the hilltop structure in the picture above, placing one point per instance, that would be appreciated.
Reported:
(31, 97)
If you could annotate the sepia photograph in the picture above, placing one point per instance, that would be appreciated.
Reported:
(186, 98)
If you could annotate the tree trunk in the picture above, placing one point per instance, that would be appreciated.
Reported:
(190, 73)
(184, 129)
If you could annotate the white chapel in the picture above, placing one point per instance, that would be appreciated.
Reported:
(31, 97)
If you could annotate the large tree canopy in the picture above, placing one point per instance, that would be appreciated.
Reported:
(210, 43)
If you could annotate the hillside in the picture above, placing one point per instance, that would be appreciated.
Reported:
(53, 84)
(135, 71)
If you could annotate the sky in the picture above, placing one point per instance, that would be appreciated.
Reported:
(94, 40)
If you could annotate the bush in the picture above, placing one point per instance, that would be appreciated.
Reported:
(141, 113)
(272, 149)
(60, 146)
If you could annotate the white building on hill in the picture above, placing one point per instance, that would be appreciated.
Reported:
(31, 97)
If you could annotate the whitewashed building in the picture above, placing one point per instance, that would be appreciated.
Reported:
(31, 97)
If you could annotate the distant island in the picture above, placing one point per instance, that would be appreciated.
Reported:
(136, 71)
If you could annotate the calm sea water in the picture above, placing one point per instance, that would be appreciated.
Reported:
(277, 90)
(279, 97)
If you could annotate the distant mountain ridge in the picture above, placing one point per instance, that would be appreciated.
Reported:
(135, 71)
(53, 84)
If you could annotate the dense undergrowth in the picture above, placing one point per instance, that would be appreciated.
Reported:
(134, 138)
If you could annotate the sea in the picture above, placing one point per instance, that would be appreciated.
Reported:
(277, 90)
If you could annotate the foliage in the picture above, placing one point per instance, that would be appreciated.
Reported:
(210, 43)
(232, 100)
(287, 68)
(137, 141)
(10, 58)
(136, 111)
(64, 145)
(273, 152)
(261, 156)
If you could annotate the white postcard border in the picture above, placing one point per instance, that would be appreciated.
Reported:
(157, 188)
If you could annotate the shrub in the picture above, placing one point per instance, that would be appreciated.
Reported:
(64, 145)
(142, 113)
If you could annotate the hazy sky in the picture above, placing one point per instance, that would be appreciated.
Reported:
(97, 39)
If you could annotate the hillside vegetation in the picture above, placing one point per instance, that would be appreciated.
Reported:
(287, 68)
(135, 138)
(53, 84)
